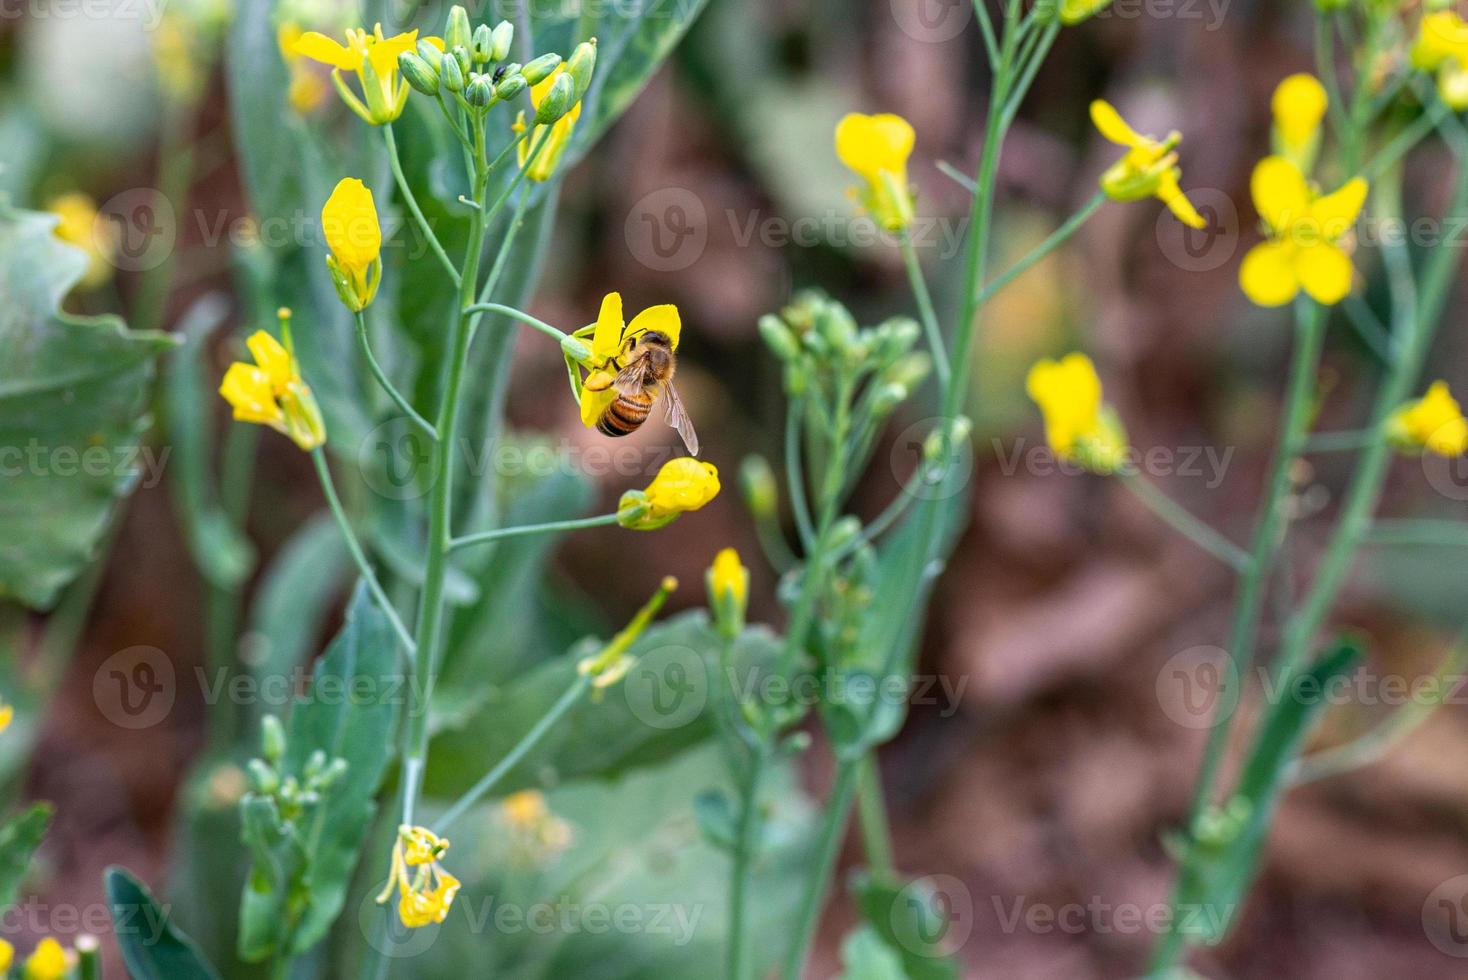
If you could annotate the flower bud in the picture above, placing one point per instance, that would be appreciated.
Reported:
(480, 91)
(263, 779)
(451, 76)
(579, 66)
(727, 581)
(509, 87)
(837, 327)
(538, 69)
(757, 483)
(887, 398)
(778, 337)
(909, 370)
(315, 762)
(557, 102)
(272, 739)
(795, 379)
(458, 32)
(483, 47)
(464, 57)
(843, 532)
(431, 54)
(501, 38)
(418, 73)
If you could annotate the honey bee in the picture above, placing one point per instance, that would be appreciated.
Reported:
(645, 372)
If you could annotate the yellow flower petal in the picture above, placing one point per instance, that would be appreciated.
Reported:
(1298, 105)
(1169, 193)
(1280, 192)
(606, 342)
(271, 358)
(595, 402)
(873, 145)
(1068, 393)
(248, 390)
(729, 577)
(1110, 124)
(1337, 211)
(663, 319)
(349, 222)
(7, 715)
(683, 484)
(48, 962)
(1267, 274)
(1325, 272)
(1434, 422)
(1442, 35)
(319, 47)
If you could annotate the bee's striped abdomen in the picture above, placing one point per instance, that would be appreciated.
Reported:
(626, 414)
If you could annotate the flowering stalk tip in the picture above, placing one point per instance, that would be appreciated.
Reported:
(876, 148)
(1149, 168)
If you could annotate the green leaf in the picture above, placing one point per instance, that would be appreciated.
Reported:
(152, 947)
(19, 839)
(717, 818)
(865, 957)
(905, 919)
(73, 392)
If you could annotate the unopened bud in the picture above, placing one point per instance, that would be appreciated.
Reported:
(431, 54)
(557, 102)
(418, 73)
(458, 33)
(263, 779)
(887, 398)
(580, 66)
(480, 91)
(483, 47)
(465, 57)
(509, 87)
(451, 76)
(778, 337)
(500, 40)
(757, 483)
(272, 739)
(539, 69)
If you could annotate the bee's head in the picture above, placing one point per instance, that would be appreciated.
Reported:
(656, 338)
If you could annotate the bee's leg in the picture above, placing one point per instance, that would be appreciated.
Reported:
(599, 381)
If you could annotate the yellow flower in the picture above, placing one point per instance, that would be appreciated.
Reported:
(1433, 422)
(877, 148)
(559, 138)
(1149, 168)
(374, 58)
(728, 586)
(7, 956)
(1298, 106)
(271, 392)
(83, 227)
(48, 962)
(425, 889)
(682, 485)
(1072, 12)
(1442, 47)
(7, 715)
(536, 833)
(349, 222)
(1305, 229)
(1078, 426)
(610, 338)
(307, 89)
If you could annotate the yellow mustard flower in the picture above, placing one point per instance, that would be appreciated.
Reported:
(1442, 47)
(374, 59)
(611, 337)
(349, 222)
(1298, 106)
(48, 962)
(425, 889)
(307, 89)
(1079, 427)
(549, 156)
(82, 226)
(1433, 422)
(681, 485)
(7, 956)
(1072, 12)
(728, 587)
(1305, 232)
(271, 392)
(1149, 168)
(876, 148)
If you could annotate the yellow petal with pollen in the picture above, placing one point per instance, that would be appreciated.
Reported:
(1267, 275)
(271, 358)
(1325, 272)
(1337, 212)
(874, 145)
(248, 391)
(1110, 124)
(319, 47)
(349, 222)
(664, 319)
(606, 342)
(1280, 192)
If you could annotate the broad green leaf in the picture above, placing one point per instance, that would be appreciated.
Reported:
(906, 920)
(152, 947)
(73, 393)
(19, 839)
(864, 956)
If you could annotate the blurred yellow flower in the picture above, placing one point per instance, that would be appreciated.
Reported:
(681, 485)
(728, 587)
(1305, 231)
(1433, 422)
(7, 956)
(82, 226)
(610, 338)
(271, 392)
(7, 715)
(374, 59)
(1442, 47)
(535, 833)
(1078, 426)
(425, 889)
(1149, 168)
(48, 962)
(349, 222)
(307, 89)
(877, 148)
(546, 161)
(1072, 12)
(1298, 106)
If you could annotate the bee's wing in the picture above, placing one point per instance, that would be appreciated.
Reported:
(677, 417)
(632, 378)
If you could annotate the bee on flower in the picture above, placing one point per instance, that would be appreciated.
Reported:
(1307, 236)
(271, 391)
(1434, 423)
(1442, 48)
(349, 223)
(876, 148)
(373, 58)
(1079, 426)
(1149, 168)
(425, 889)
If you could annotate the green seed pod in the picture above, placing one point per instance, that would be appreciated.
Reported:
(557, 102)
(483, 47)
(431, 54)
(458, 33)
(580, 66)
(778, 337)
(480, 91)
(418, 73)
(539, 69)
(501, 39)
(272, 739)
(451, 76)
(263, 778)
(757, 483)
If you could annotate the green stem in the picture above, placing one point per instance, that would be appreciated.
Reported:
(1050, 244)
(487, 782)
(318, 456)
(1411, 134)
(1336, 442)
(550, 527)
(875, 833)
(401, 402)
(1186, 524)
(412, 202)
(1427, 533)
(740, 965)
(795, 473)
(925, 309)
(838, 809)
(520, 315)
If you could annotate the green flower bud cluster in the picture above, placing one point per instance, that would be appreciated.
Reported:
(292, 794)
